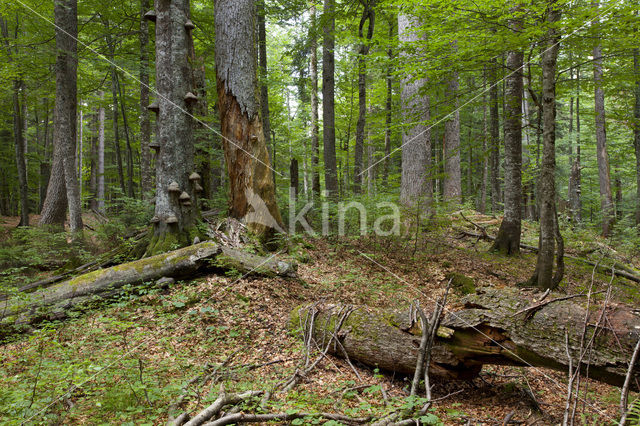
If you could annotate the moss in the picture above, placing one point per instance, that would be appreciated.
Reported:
(462, 284)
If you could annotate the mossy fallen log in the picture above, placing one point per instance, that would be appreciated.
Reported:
(493, 327)
(24, 310)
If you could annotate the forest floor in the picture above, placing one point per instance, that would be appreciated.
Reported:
(132, 358)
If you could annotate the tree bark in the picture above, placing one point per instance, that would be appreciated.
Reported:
(63, 187)
(485, 156)
(315, 148)
(494, 327)
(606, 198)
(415, 186)
(264, 87)
(576, 179)
(494, 157)
(636, 127)
(18, 136)
(294, 183)
(388, 108)
(55, 302)
(328, 99)
(19, 127)
(125, 122)
(100, 194)
(543, 275)
(508, 238)
(145, 122)
(249, 169)
(368, 14)
(176, 193)
(452, 176)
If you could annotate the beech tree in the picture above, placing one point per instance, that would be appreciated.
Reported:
(248, 166)
(416, 136)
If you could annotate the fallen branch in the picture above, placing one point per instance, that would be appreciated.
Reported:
(285, 417)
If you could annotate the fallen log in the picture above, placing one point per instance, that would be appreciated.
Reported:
(55, 302)
(489, 329)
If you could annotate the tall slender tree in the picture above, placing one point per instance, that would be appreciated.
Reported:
(636, 127)
(315, 148)
(508, 238)
(328, 99)
(543, 276)
(606, 197)
(452, 186)
(494, 141)
(63, 186)
(368, 14)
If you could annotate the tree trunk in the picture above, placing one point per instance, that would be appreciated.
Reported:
(116, 127)
(485, 155)
(491, 328)
(508, 238)
(100, 194)
(18, 136)
(543, 276)
(177, 187)
(63, 187)
(264, 88)
(19, 128)
(56, 301)
(494, 158)
(328, 99)
(130, 190)
(606, 198)
(249, 169)
(368, 14)
(93, 177)
(575, 177)
(388, 109)
(315, 148)
(415, 187)
(636, 128)
(145, 122)
(45, 163)
(452, 176)
(294, 183)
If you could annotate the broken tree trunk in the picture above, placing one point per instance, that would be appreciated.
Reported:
(56, 301)
(493, 327)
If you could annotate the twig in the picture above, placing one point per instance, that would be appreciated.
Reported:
(222, 400)
(530, 310)
(481, 228)
(627, 381)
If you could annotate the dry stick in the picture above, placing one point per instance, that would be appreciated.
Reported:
(205, 379)
(481, 228)
(417, 375)
(284, 417)
(589, 347)
(625, 388)
(530, 310)
(222, 400)
(567, 406)
(435, 323)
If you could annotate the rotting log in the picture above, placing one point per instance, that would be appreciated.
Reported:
(55, 302)
(491, 327)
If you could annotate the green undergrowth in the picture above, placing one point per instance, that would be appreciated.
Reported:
(126, 361)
